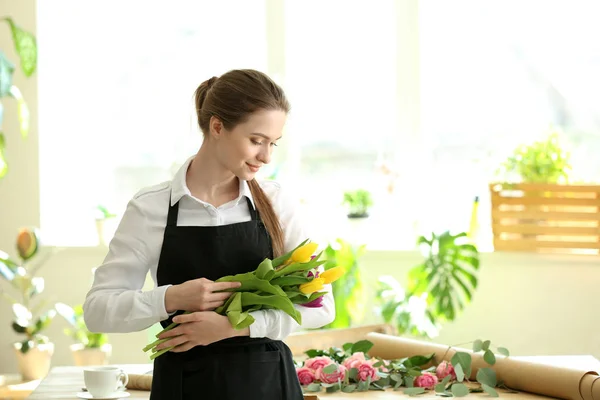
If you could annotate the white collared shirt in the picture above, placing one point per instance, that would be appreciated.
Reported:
(116, 301)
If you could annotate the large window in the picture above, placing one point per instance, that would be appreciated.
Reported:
(116, 83)
(415, 101)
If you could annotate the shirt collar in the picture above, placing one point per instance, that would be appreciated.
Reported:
(179, 187)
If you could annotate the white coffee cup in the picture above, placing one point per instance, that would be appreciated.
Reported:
(104, 381)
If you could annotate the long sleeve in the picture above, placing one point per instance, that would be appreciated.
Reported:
(116, 302)
(276, 324)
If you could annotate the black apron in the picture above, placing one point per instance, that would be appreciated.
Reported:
(234, 368)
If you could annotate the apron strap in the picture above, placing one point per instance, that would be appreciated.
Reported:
(172, 215)
(253, 212)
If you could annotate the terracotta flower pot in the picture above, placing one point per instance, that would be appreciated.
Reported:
(90, 356)
(35, 364)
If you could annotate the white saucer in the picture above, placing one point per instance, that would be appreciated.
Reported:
(115, 395)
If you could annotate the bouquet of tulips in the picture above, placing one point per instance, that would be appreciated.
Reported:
(275, 284)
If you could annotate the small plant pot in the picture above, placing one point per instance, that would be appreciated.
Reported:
(83, 356)
(357, 215)
(106, 228)
(35, 364)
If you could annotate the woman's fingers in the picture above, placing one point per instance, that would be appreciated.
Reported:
(183, 347)
(176, 341)
(217, 286)
(219, 296)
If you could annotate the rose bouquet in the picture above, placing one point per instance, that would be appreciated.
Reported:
(275, 284)
(351, 369)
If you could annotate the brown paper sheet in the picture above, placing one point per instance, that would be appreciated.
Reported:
(527, 376)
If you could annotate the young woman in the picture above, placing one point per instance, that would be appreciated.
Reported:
(213, 219)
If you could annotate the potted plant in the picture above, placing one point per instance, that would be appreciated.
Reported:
(34, 351)
(105, 224)
(358, 203)
(89, 348)
(535, 208)
(26, 47)
(438, 288)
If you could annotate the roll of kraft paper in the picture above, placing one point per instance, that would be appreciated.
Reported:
(139, 382)
(527, 376)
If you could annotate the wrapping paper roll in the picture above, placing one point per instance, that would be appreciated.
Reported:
(527, 376)
(139, 382)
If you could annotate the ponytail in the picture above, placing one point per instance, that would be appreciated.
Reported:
(268, 216)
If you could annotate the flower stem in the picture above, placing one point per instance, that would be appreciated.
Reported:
(154, 344)
(160, 353)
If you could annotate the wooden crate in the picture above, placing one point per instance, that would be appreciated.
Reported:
(548, 218)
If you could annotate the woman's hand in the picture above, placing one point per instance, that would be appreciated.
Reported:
(198, 329)
(198, 295)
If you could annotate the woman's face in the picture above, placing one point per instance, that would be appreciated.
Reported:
(249, 145)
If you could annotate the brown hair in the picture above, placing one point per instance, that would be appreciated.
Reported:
(232, 98)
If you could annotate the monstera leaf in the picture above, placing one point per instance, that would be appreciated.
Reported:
(448, 274)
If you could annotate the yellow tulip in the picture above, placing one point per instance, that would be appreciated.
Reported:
(332, 274)
(313, 286)
(302, 254)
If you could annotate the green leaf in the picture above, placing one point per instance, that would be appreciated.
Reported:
(459, 390)
(464, 359)
(490, 390)
(3, 162)
(278, 302)
(251, 282)
(396, 377)
(487, 376)
(409, 381)
(263, 268)
(26, 47)
(290, 280)
(362, 346)
(486, 345)
(349, 388)
(418, 361)
(477, 345)
(440, 388)
(313, 387)
(460, 374)
(489, 357)
(6, 71)
(504, 351)
(330, 369)
(413, 391)
(19, 328)
(22, 110)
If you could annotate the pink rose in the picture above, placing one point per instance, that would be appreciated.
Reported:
(332, 377)
(426, 380)
(366, 371)
(445, 369)
(305, 375)
(354, 360)
(317, 362)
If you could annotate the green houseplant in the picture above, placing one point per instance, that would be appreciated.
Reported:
(542, 161)
(438, 288)
(31, 317)
(358, 203)
(348, 291)
(26, 48)
(89, 348)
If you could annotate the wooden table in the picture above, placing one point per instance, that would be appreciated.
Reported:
(65, 382)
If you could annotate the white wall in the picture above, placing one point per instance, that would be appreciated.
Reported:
(529, 303)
